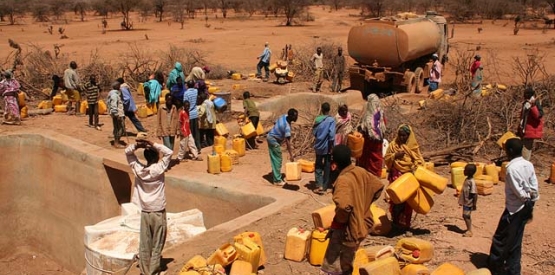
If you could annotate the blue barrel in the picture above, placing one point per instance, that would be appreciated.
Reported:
(220, 104)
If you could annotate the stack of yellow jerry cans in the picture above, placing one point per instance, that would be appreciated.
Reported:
(244, 257)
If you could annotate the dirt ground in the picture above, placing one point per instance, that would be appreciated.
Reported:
(235, 43)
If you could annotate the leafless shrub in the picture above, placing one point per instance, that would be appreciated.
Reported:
(302, 65)
(137, 64)
(461, 61)
(531, 67)
(188, 57)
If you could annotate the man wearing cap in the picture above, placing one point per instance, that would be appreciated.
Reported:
(264, 61)
(8, 89)
(354, 190)
(475, 65)
(338, 70)
(435, 74)
(149, 195)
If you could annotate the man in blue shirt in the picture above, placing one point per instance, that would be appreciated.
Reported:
(324, 137)
(191, 95)
(264, 61)
(279, 134)
(521, 193)
(129, 107)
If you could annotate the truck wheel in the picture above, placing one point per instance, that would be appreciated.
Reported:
(419, 74)
(410, 82)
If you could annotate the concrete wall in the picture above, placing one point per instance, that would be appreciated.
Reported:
(53, 186)
(49, 191)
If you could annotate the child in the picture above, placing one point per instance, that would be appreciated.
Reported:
(207, 120)
(187, 142)
(92, 91)
(324, 138)
(468, 197)
(115, 105)
(168, 122)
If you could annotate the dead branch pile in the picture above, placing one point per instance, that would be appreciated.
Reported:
(302, 65)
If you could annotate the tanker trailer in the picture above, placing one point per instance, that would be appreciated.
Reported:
(395, 54)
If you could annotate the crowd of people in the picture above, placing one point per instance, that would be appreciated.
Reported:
(189, 114)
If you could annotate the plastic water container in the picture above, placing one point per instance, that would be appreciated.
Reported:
(431, 180)
(141, 89)
(60, 108)
(218, 149)
(220, 140)
(503, 172)
(233, 155)
(491, 170)
(324, 216)
(415, 269)
(236, 76)
(213, 89)
(355, 142)
(384, 174)
(142, 111)
(387, 266)
(361, 258)
(248, 130)
(306, 165)
(248, 251)
(458, 164)
(194, 263)
(457, 178)
(290, 76)
(448, 269)
(414, 250)
(480, 167)
(484, 177)
(296, 244)
(437, 94)
(293, 171)
(240, 267)
(421, 202)
(429, 165)
(402, 188)
(239, 146)
(45, 104)
(259, 129)
(83, 107)
(219, 103)
(506, 136)
(224, 255)
(24, 112)
(221, 130)
(484, 187)
(213, 162)
(225, 163)
(318, 246)
(102, 108)
(382, 224)
(379, 252)
(552, 175)
(255, 237)
(57, 100)
(481, 271)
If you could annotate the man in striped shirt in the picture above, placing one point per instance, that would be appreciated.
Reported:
(191, 95)
(279, 134)
(92, 91)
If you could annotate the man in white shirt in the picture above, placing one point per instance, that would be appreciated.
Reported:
(521, 193)
(149, 195)
(318, 66)
(264, 62)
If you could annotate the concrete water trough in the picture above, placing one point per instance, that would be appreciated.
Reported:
(54, 185)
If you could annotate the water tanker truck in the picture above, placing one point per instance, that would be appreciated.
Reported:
(395, 53)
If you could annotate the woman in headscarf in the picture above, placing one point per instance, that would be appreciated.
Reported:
(402, 156)
(343, 125)
(372, 127)
(8, 89)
